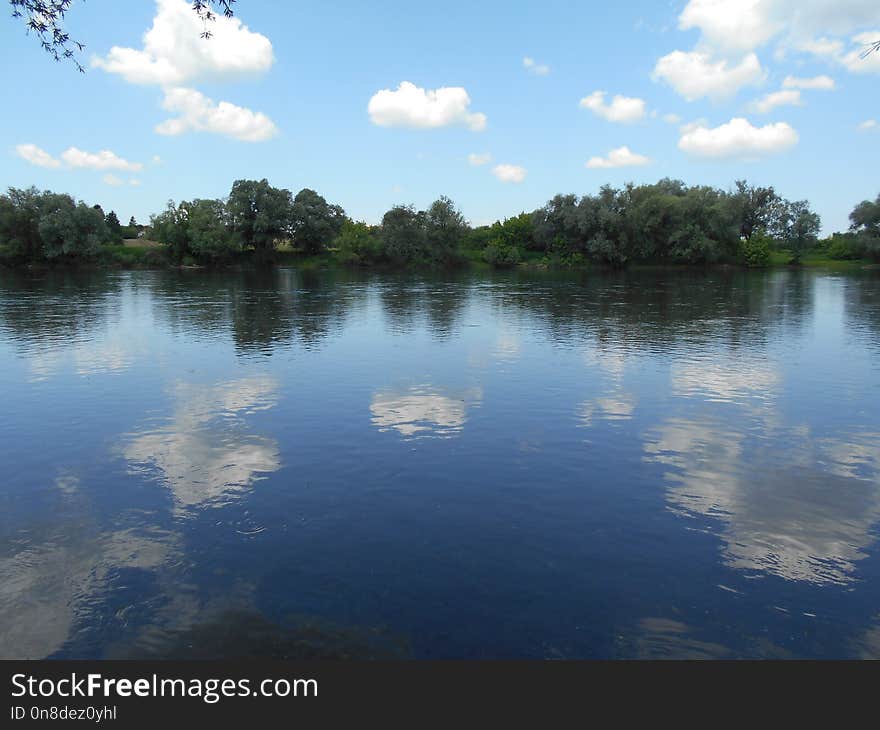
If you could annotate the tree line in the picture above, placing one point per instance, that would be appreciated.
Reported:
(664, 222)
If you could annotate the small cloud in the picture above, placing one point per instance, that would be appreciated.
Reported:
(415, 107)
(157, 160)
(36, 156)
(737, 138)
(509, 173)
(694, 74)
(111, 179)
(539, 69)
(479, 159)
(620, 157)
(788, 97)
(134, 182)
(867, 124)
(103, 160)
(621, 109)
(197, 113)
(671, 118)
(817, 83)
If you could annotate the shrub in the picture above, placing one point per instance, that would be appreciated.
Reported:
(755, 251)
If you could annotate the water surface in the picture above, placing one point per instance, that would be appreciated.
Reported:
(300, 463)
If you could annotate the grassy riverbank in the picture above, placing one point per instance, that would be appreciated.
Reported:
(135, 255)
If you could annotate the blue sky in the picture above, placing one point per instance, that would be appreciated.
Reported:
(702, 87)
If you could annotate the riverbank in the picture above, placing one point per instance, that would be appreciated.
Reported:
(151, 255)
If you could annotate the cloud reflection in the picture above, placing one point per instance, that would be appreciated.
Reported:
(420, 412)
(203, 454)
(45, 590)
(795, 519)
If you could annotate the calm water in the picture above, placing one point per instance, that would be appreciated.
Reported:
(340, 464)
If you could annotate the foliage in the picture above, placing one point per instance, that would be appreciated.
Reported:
(68, 228)
(755, 251)
(196, 230)
(114, 229)
(796, 227)
(260, 214)
(38, 225)
(403, 234)
(865, 224)
(314, 222)
(358, 243)
(445, 227)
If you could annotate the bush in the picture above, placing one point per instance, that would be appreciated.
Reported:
(357, 244)
(502, 254)
(755, 251)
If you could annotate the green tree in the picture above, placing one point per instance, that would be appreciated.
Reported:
(754, 207)
(20, 211)
(260, 214)
(865, 225)
(68, 228)
(357, 243)
(314, 222)
(403, 233)
(797, 227)
(445, 227)
(114, 228)
(195, 229)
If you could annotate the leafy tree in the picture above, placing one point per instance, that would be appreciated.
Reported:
(195, 229)
(357, 243)
(114, 229)
(797, 227)
(754, 207)
(403, 233)
(865, 224)
(260, 214)
(314, 222)
(20, 211)
(68, 228)
(445, 227)
(170, 228)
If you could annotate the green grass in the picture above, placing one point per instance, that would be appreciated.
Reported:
(129, 256)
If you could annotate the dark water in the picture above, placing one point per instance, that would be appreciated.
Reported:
(339, 464)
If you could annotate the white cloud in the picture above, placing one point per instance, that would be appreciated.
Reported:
(36, 156)
(509, 173)
(197, 113)
(103, 160)
(737, 26)
(111, 179)
(134, 182)
(730, 25)
(412, 106)
(671, 118)
(174, 52)
(817, 83)
(479, 159)
(620, 157)
(621, 109)
(737, 138)
(157, 160)
(788, 97)
(539, 69)
(694, 75)
(855, 59)
(868, 124)
(820, 46)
